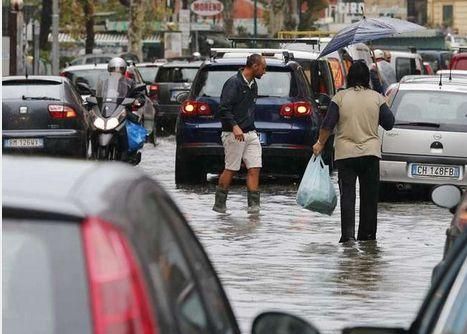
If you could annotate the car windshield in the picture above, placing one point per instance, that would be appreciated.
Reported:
(86, 76)
(48, 90)
(431, 107)
(211, 82)
(176, 74)
(148, 73)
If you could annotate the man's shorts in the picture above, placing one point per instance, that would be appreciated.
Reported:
(248, 150)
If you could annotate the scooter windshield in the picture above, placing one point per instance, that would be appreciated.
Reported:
(111, 90)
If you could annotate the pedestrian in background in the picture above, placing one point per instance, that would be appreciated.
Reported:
(386, 72)
(356, 113)
(239, 137)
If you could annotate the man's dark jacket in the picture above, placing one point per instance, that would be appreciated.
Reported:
(237, 104)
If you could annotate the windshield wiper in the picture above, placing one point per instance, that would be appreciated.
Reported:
(46, 98)
(433, 125)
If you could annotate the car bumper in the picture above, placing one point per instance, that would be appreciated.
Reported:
(67, 142)
(397, 169)
(168, 112)
(277, 158)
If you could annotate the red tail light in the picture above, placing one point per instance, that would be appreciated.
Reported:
(153, 88)
(60, 111)
(296, 109)
(129, 75)
(153, 92)
(195, 108)
(118, 292)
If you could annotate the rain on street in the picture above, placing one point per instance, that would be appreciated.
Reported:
(289, 259)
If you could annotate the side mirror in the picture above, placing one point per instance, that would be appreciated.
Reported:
(180, 98)
(323, 101)
(446, 196)
(91, 100)
(281, 323)
(83, 88)
(127, 102)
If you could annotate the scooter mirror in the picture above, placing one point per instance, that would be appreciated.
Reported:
(127, 102)
(91, 100)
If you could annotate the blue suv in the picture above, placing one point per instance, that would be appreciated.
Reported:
(287, 120)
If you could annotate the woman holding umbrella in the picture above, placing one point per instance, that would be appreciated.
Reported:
(356, 113)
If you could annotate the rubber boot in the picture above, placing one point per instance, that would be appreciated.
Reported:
(219, 202)
(253, 202)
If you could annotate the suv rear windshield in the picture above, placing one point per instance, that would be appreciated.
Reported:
(148, 73)
(276, 82)
(448, 108)
(44, 284)
(176, 74)
(12, 90)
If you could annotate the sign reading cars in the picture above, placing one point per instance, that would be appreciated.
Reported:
(207, 7)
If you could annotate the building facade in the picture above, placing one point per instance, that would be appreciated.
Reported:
(448, 14)
(391, 8)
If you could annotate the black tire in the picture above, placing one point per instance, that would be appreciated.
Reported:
(102, 153)
(153, 136)
(187, 171)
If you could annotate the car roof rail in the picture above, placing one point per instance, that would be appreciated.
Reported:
(283, 54)
(265, 41)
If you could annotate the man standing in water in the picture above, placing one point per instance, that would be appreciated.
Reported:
(239, 137)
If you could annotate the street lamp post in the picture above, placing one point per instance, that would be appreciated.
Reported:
(16, 34)
(55, 54)
(255, 21)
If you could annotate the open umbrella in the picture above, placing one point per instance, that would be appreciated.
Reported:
(368, 29)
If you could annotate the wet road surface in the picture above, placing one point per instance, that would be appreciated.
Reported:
(289, 259)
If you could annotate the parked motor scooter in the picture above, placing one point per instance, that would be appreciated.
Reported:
(113, 105)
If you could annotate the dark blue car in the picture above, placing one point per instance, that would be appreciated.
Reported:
(287, 119)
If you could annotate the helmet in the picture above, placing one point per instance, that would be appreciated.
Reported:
(117, 64)
(379, 54)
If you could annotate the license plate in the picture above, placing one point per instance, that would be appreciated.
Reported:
(262, 137)
(452, 172)
(24, 142)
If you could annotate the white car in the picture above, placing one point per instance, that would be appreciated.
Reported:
(455, 41)
(427, 145)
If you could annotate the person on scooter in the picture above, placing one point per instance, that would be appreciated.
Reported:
(119, 65)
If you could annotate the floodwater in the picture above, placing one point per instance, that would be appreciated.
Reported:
(289, 259)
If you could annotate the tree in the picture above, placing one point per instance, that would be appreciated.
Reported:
(136, 26)
(88, 9)
(228, 17)
(313, 9)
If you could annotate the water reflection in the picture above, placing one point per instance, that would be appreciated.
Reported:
(358, 271)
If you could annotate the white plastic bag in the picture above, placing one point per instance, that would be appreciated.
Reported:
(316, 192)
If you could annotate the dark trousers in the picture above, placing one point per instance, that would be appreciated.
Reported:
(367, 170)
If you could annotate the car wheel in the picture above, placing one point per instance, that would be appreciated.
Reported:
(102, 153)
(154, 134)
(187, 171)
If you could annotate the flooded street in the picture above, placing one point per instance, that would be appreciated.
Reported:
(289, 258)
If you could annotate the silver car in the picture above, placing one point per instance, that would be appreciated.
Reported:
(428, 144)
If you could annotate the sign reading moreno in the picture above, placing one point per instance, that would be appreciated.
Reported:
(207, 7)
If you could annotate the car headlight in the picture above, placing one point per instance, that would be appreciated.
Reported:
(99, 123)
(112, 123)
